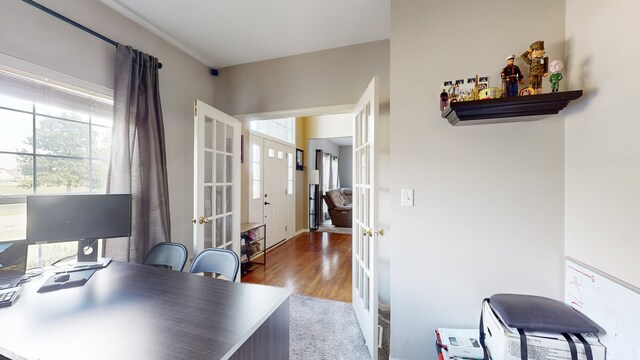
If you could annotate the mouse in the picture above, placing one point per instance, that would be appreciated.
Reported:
(61, 277)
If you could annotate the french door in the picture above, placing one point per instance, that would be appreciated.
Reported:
(364, 248)
(216, 214)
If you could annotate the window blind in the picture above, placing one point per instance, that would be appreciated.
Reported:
(51, 93)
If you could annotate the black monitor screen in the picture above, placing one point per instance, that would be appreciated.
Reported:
(52, 218)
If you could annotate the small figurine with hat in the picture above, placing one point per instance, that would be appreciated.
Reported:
(555, 67)
(511, 76)
(538, 65)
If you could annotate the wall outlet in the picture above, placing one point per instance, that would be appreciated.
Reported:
(406, 197)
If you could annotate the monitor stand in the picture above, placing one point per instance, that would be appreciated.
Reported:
(87, 250)
(88, 256)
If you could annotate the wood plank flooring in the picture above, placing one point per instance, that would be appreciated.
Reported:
(315, 264)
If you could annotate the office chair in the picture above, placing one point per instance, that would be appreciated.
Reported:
(218, 261)
(172, 255)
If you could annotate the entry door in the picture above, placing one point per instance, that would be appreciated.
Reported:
(216, 215)
(276, 199)
(365, 250)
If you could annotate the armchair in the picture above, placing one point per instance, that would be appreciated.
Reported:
(339, 204)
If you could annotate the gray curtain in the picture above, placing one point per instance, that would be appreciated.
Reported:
(138, 157)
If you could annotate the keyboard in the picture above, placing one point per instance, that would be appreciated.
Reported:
(9, 296)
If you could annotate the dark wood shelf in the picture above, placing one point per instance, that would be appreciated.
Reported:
(510, 109)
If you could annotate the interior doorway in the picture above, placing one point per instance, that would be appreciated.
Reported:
(332, 158)
(364, 246)
(372, 191)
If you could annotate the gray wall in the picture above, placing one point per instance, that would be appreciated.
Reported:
(329, 77)
(345, 165)
(33, 36)
(488, 213)
(320, 144)
(602, 183)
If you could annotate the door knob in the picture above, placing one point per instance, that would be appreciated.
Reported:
(203, 220)
(379, 232)
(194, 221)
(267, 203)
(367, 232)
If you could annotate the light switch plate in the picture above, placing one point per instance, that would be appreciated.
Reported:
(406, 197)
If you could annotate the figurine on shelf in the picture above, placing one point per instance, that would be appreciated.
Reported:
(555, 67)
(511, 76)
(538, 65)
(454, 92)
(444, 99)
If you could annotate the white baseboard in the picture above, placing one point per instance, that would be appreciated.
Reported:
(301, 231)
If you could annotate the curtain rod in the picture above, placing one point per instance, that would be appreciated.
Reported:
(73, 23)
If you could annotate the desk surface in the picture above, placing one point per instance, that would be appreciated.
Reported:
(129, 311)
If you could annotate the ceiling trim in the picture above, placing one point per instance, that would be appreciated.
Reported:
(312, 111)
(131, 15)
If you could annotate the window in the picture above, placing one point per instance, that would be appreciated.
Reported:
(289, 173)
(255, 170)
(283, 129)
(54, 139)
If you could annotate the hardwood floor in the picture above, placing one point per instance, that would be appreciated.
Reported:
(313, 264)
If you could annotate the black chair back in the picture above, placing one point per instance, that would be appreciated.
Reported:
(217, 261)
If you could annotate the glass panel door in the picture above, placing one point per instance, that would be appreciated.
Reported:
(364, 248)
(216, 218)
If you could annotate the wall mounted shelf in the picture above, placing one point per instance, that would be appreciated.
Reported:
(510, 109)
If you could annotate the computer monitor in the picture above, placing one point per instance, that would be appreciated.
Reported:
(82, 217)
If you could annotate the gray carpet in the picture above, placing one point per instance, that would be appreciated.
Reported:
(384, 320)
(325, 330)
(334, 229)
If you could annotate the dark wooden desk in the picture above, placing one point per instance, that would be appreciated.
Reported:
(128, 311)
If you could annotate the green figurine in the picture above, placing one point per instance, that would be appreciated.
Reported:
(538, 65)
(555, 67)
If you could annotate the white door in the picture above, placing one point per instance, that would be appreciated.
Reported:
(364, 248)
(216, 216)
(276, 192)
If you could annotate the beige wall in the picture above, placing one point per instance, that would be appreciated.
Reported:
(329, 126)
(33, 36)
(602, 183)
(488, 213)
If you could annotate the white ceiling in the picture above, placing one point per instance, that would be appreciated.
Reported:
(221, 33)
